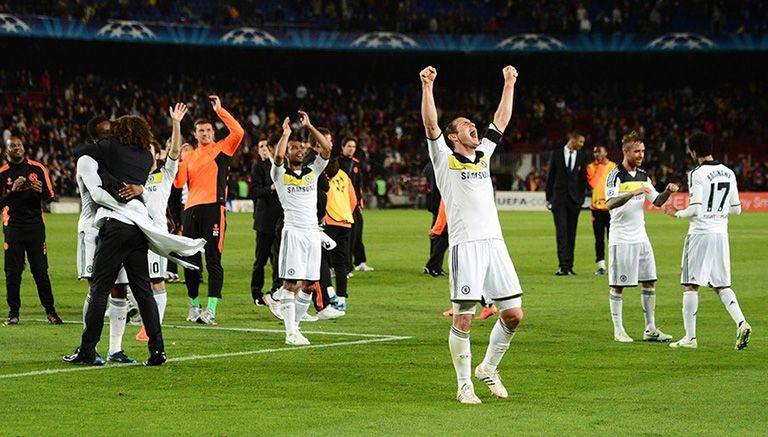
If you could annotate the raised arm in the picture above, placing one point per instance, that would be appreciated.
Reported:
(177, 114)
(236, 133)
(282, 144)
(428, 108)
(325, 145)
(504, 111)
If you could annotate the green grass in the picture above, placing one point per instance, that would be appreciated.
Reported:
(564, 373)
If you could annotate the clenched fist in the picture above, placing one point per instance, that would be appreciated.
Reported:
(510, 74)
(428, 75)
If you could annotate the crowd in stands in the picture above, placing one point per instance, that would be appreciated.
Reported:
(49, 111)
(421, 16)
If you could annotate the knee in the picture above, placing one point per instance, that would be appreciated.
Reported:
(512, 317)
(462, 322)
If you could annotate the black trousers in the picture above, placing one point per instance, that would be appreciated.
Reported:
(119, 245)
(601, 224)
(276, 281)
(566, 215)
(437, 248)
(29, 240)
(263, 253)
(208, 222)
(339, 256)
(357, 248)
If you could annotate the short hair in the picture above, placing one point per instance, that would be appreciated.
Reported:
(273, 140)
(10, 139)
(91, 127)
(200, 121)
(573, 135)
(451, 127)
(345, 140)
(132, 130)
(333, 166)
(700, 143)
(600, 146)
(632, 137)
(323, 131)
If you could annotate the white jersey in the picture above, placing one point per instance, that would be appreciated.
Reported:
(713, 187)
(88, 206)
(158, 188)
(628, 220)
(298, 193)
(465, 184)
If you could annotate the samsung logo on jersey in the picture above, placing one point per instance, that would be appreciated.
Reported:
(474, 175)
(300, 188)
(717, 173)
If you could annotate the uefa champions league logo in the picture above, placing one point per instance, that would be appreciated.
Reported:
(12, 24)
(385, 40)
(686, 41)
(531, 41)
(250, 36)
(122, 29)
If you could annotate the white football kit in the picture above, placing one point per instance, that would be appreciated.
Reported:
(479, 263)
(706, 253)
(87, 232)
(157, 189)
(631, 258)
(300, 248)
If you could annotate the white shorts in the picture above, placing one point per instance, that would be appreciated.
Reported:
(300, 252)
(86, 252)
(157, 265)
(482, 268)
(706, 260)
(629, 264)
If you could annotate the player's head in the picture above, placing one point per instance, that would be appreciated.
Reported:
(634, 149)
(98, 128)
(462, 132)
(313, 142)
(295, 151)
(132, 130)
(600, 152)
(575, 141)
(348, 147)
(14, 149)
(203, 131)
(156, 150)
(700, 145)
(265, 149)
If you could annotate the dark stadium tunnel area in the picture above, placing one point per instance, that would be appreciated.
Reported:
(146, 61)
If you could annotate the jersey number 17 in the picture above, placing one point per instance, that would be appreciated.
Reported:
(720, 186)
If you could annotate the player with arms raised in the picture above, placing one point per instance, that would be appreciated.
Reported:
(479, 260)
(706, 255)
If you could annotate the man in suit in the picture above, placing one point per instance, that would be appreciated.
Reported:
(266, 212)
(566, 185)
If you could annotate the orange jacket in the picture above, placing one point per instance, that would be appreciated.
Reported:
(341, 201)
(206, 168)
(441, 222)
(596, 175)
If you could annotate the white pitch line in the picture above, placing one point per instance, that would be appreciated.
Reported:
(380, 339)
(271, 331)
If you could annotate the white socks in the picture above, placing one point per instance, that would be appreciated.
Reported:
(288, 310)
(161, 299)
(690, 307)
(461, 354)
(501, 336)
(728, 297)
(648, 299)
(601, 264)
(303, 300)
(118, 309)
(616, 311)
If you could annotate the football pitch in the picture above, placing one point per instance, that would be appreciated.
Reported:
(385, 369)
